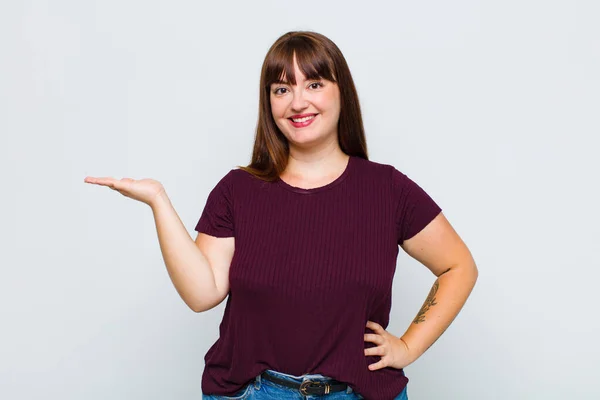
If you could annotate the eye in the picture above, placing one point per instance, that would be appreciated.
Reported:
(316, 85)
(277, 90)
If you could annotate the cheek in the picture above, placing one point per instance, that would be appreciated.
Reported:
(277, 114)
(331, 102)
(338, 107)
(333, 108)
(277, 109)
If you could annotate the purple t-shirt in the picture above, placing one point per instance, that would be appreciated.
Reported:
(310, 267)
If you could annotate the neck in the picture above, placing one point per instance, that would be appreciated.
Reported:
(315, 166)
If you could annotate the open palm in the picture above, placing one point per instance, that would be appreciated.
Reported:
(144, 190)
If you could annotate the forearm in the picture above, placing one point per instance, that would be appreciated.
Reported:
(188, 268)
(446, 298)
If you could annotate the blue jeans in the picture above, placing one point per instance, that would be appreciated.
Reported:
(264, 389)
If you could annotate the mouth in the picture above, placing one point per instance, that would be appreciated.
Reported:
(302, 121)
(302, 118)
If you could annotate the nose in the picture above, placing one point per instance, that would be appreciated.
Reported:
(299, 102)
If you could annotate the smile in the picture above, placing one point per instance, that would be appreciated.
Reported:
(303, 119)
(302, 122)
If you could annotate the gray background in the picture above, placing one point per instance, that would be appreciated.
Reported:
(492, 107)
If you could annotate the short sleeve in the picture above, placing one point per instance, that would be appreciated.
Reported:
(217, 217)
(415, 209)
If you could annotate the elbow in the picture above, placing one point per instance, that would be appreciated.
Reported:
(473, 273)
(467, 271)
(197, 310)
(197, 307)
(201, 307)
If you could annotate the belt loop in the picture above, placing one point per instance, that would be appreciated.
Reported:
(257, 382)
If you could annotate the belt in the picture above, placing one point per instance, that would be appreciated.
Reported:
(308, 387)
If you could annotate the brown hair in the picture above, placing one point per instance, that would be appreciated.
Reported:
(318, 58)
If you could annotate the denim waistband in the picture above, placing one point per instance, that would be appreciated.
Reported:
(302, 378)
(298, 378)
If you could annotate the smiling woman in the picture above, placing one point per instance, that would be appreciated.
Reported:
(308, 106)
(317, 228)
(303, 242)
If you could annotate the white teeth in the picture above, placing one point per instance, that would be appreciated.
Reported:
(303, 119)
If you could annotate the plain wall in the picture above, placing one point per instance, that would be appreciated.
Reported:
(492, 107)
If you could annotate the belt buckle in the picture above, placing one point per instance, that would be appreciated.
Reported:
(304, 386)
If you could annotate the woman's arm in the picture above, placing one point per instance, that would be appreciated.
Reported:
(190, 265)
(440, 249)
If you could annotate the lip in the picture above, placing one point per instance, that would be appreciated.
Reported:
(302, 115)
(303, 124)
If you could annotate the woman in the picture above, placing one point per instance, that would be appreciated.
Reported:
(316, 227)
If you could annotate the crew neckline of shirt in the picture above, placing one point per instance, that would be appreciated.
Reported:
(331, 184)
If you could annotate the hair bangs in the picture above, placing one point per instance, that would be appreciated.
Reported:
(313, 61)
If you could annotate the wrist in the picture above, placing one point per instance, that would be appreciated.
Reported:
(159, 200)
(413, 351)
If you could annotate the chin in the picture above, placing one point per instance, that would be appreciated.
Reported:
(304, 140)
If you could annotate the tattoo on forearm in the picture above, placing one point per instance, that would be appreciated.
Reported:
(429, 302)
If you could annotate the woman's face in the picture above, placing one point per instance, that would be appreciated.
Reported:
(307, 112)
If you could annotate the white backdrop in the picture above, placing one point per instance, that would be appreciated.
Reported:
(492, 107)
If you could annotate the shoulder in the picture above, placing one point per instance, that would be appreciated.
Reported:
(397, 183)
(383, 172)
(226, 185)
(241, 183)
(233, 177)
(372, 168)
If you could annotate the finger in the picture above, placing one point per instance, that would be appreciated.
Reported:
(374, 338)
(378, 365)
(115, 184)
(375, 326)
(375, 351)
(104, 181)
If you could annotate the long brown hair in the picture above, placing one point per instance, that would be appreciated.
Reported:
(318, 58)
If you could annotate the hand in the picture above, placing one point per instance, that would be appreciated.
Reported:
(144, 190)
(393, 350)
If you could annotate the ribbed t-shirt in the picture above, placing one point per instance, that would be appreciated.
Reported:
(309, 269)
